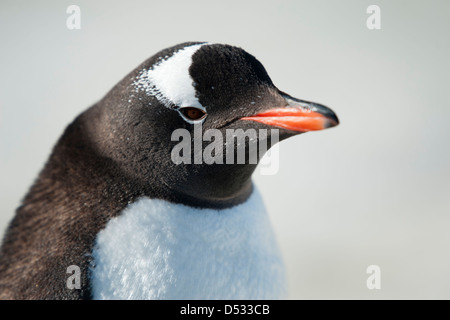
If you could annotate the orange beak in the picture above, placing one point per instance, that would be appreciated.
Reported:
(298, 115)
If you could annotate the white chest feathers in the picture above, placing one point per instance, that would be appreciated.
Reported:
(160, 250)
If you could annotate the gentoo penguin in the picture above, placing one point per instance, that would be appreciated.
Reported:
(113, 203)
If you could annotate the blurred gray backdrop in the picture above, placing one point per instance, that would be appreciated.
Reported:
(372, 191)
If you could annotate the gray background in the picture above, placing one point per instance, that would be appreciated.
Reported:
(374, 190)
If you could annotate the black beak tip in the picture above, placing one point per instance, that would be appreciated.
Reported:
(333, 120)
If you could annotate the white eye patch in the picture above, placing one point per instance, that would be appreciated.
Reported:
(170, 82)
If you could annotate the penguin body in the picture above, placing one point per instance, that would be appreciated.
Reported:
(112, 201)
(181, 252)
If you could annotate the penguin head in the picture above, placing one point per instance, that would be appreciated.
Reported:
(171, 124)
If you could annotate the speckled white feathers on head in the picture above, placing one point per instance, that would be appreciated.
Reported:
(169, 80)
(160, 250)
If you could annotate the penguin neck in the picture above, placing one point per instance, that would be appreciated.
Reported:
(217, 186)
(213, 194)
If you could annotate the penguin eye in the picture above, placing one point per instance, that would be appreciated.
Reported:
(192, 114)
